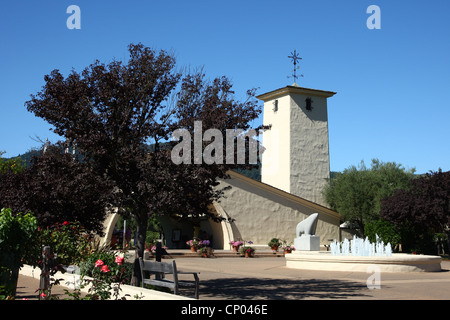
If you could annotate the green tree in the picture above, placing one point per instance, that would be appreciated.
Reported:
(14, 165)
(356, 193)
(385, 230)
(18, 235)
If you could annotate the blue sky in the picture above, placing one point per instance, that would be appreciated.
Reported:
(392, 84)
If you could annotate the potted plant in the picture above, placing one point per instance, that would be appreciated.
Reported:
(206, 252)
(274, 243)
(288, 248)
(204, 249)
(236, 245)
(153, 249)
(204, 243)
(247, 251)
(193, 244)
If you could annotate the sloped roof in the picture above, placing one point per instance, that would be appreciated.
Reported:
(254, 186)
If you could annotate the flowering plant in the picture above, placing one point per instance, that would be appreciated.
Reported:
(68, 240)
(153, 248)
(192, 243)
(236, 243)
(103, 267)
(287, 247)
(119, 260)
(108, 271)
(206, 251)
(248, 249)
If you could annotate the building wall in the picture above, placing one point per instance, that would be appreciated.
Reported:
(275, 169)
(310, 160)
(262, 212)
(296, 156)
(253, 211)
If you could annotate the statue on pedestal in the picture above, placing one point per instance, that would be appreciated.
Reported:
(306, 240)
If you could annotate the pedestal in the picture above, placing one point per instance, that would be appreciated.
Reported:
(307, 243)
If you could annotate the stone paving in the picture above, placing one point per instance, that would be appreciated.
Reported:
(267, 278)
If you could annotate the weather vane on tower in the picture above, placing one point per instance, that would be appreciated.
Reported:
(295, 57)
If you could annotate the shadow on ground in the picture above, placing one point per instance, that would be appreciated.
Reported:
(280, 289)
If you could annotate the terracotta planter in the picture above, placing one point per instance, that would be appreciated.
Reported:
(248, 255)
(236, 249)
(287, 251)
(194, 249)
(274, 248)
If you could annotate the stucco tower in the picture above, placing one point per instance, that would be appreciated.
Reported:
(296, 157)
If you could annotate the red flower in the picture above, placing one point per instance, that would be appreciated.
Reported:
(65, 223)
(99, 263)
(119, 260)
(105, 269)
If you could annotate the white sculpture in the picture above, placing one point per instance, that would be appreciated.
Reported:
(306, 240)
(307, 226)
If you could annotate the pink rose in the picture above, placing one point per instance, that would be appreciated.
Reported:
(119, 260)
(99, 263)
(105, 269)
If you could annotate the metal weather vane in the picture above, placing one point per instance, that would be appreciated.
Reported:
(295, 57)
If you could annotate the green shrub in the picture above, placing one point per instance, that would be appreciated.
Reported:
(274, 242)
(17, 245)
(121, 273)
(68, 240)
(385, 230)
(108, 271)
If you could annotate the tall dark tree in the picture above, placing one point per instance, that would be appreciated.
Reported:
(57, 188)
(424, 205)
(113, 112)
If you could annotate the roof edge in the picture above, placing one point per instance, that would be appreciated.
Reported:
(294, 89)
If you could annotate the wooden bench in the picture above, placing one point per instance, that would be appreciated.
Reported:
(160, 269)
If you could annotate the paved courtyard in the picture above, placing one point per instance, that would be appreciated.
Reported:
(267, 278)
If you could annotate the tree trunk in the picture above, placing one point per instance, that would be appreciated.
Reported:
(141, 230)
(14, 279)
(360, 224)
(11, 273)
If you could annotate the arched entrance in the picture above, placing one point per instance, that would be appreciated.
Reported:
(108, 227)
(176, 233)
